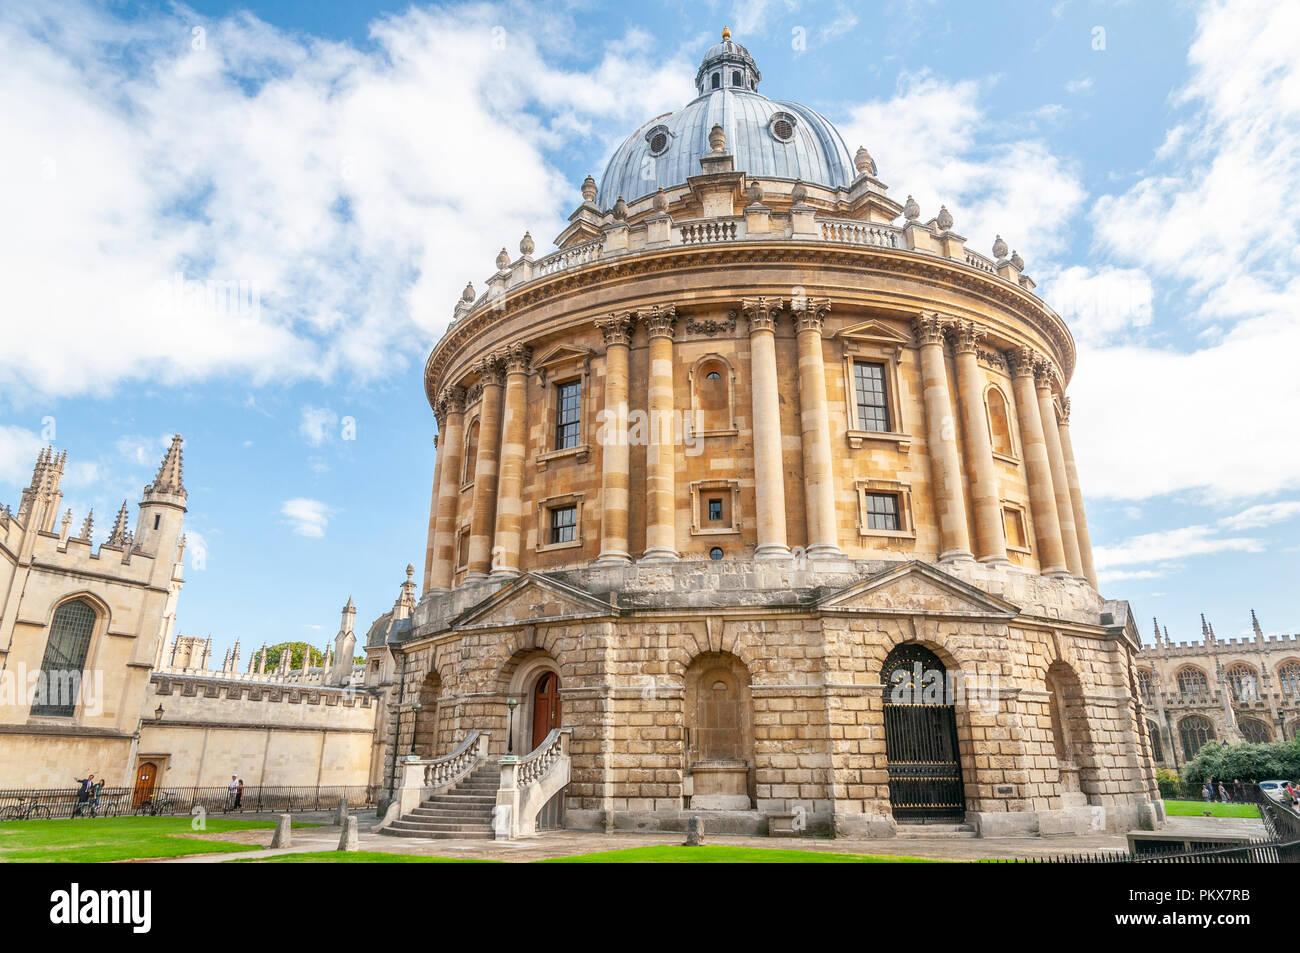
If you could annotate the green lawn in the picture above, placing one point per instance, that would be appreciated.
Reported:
(676, 854)
(1216, 809)
(100, 839)
(360, 857)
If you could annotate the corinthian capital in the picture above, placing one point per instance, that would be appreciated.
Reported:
(659, 322)
(761, 313)
(966, 336)
(516, 358)
(451, 400)
(617, 328)
(492, 368)
(1022, 361)
(928, 327)
(809, 313)
(1065, 411)
(1045, 373)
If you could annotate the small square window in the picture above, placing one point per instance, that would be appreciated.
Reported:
(564, 524)
(715, 510)
(882, 511)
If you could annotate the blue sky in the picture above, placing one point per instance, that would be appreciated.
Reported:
(355, 164)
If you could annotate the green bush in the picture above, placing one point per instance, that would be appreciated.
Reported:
(1246, 762)
(1170, 786)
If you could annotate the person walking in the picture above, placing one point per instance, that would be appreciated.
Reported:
(95, 791)
(231, 792)
(83, 794)
(1238, 791)
(1223, 793)
(239, 795)
(1207, 791)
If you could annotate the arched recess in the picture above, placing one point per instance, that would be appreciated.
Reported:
(713, 396)
(72, 627)
(1146, 685)
(426, 719)
(1157, 743)
(921, 748)
(719, 720)
(999, 418)
(1071, 735)
(1195, 732)
(1255, 732)
(534, 680)
(470, 460)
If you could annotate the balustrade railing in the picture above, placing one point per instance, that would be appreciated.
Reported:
(853, 232)
(708, 231)
(452, 767)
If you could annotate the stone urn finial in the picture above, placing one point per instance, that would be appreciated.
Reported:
(911, 211)
(620, 209)
(503, 260)
(754, 193)
(863, 162)
(1017, 262)
(589, 189)
(944, 219)
(526, 244)
(799, 192)
(660, 202)
(717, 138)
(999, 248)
(468, 294)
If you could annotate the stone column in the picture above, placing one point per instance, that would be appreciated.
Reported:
(1038, 470)
(990, 536)
(941, 439)
(615, 453)
(661, 463)
(432, 540)
(451, 448)
(818, 466)
(1076, 497)
(483, 508)
(769, 473)
(510, 488)
(1060, 479)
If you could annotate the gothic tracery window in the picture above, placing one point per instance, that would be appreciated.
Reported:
(1191, 681)
(1289, 676)
(1255, 731)
(1144, 684)
(1243, 683)
(65, 657)
(1195, 731)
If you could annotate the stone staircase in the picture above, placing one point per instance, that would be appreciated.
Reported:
(935, 831)
(463, 812)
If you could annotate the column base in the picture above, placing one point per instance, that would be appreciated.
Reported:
(772, 551)
(993, 560)
(824, 551)
(1056, 572)
(955, 555)
(510, 573)
(658, 555)
(475, 576)
(613, 557)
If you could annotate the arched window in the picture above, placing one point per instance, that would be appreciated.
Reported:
(59, 686)
(736, 78)
(1196, 732)
(713, 397)
(471, 453)
(1255, 731)
(1288, 674)
(1243, 683)
(717, 80)
(1191, 681)
(1157, 749)
(1144, 684)
(999, 422)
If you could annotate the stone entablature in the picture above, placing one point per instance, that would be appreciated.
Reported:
(236, 688)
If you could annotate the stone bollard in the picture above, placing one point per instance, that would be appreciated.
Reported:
(348, 839)
(341, 816)
(694, 832)
(282, 836)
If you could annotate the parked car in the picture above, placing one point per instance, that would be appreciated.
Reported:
(1274, 789)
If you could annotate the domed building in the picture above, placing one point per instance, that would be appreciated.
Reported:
(756, 500)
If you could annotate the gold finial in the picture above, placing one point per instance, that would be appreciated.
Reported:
(726, 32)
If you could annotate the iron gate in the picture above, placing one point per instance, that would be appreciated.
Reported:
(921, 738)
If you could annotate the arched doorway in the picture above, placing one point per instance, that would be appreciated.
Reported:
(426, 718)
(924, 762)
(546, 707)
(145, 779)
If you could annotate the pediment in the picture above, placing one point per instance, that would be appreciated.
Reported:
(918, 587)
(561, 354)
(530, 599)
(875, 332)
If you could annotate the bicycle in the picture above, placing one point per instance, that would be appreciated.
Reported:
(156, 807)
(31, 809)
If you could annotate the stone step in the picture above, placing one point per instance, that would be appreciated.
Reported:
(935, 831)
(440, 835)
(458, 810)
(442, 827)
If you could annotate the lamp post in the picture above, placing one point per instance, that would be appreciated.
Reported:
(158, 713)
(415, 721)
(511, 704)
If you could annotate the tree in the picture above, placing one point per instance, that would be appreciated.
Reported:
(296, 652)
(1245, 762)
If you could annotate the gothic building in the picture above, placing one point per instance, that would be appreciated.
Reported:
(726, 484)
(1226, 690)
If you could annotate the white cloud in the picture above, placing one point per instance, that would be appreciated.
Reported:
(932, 140)
(1100, 305)
(1171, 544)
(316, 424)
(1264, 514)
(307, 517)
(18, 449)
(347, 194)
(1082, 85)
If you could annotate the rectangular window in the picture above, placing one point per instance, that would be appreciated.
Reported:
(568, 414)
(564, 524)
(882, 511)
(1014, 523)
(869, 388)
(715, 510)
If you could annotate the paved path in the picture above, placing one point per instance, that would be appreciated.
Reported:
(567, 843)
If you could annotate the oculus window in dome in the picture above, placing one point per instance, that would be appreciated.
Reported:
(770, 139)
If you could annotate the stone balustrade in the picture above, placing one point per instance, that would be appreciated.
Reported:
(529, 782)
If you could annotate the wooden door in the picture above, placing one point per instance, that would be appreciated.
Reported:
(145, 779)
(546, 708)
